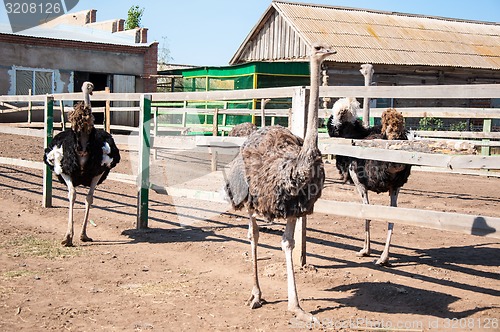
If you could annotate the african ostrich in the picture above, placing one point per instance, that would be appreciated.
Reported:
(373, 175)
(242, 129)
(81, 155)
(280, 175)
(246, 128)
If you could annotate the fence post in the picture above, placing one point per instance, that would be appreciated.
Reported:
(63, 117)
(298, 117)
(144, 152)
(107, 113)
(367, 71)
(155, 130)
(263, 103)
(49, 132)
(30, 106)
(215, 123)
(485, 150)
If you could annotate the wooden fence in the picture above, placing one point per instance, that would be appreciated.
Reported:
(487, 226)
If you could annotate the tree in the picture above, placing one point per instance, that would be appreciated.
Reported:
(134, 17)
(164, 56)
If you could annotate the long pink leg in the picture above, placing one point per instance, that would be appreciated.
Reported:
(68, 237)
(384, 257)
(366, 251)
(88, 203)
(287, 244)
(255, 300)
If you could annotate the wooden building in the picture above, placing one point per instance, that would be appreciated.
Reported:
(58, 56)
(404, 49)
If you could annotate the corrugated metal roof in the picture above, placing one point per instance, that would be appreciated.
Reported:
(367, 36)
(76, 33)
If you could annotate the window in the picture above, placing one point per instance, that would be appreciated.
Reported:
(39, 81)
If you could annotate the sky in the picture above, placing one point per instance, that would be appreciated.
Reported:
(208, 33)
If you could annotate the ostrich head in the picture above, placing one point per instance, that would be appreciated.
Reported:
(81, 118)
(393, 124)
(345, 110)
(320, 51)
(87, 88)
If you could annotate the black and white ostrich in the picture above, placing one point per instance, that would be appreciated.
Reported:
(280, 175)
(81, 155)
(373, 175)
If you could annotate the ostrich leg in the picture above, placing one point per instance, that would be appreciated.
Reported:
(88, 202)
(384, 257)
(366, 251)
(287, 244)
(255, 300)
(68, 237)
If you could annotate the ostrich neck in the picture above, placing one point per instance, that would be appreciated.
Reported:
(86, 99)
(311, 137)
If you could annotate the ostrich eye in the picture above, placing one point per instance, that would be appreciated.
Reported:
(317, 48)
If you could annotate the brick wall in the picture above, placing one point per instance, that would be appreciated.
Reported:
(150, 68)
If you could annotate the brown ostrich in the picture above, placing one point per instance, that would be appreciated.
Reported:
(280, 175)
(81, 155)
(243, 129)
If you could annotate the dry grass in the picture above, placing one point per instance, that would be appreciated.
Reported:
(31, 246)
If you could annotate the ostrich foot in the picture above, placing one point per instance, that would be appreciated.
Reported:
(305, 316)
(364, 252)
(68, 241)
(255, 301)
(383, 261)
(85, 238)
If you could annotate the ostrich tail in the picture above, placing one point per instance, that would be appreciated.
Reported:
(345, 110)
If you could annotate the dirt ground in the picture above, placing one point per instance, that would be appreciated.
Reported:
(192, 271)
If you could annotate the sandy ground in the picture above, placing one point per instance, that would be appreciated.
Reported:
(192, 271)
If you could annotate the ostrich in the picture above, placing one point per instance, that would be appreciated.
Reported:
(280, 175)
(81, 155)
(246, 128)
(242, 129)
(373, 175)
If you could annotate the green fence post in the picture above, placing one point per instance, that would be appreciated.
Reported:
(49, 132)
(144, 152)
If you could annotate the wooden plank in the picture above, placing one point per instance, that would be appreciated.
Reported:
(494, 174)
(22, 163)
(49, 132)
(456, 222)
(143, 171)
(413, 158)
(285, 92)
(458, 134)
(22, 131)
(443, 112)
(465, 91)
